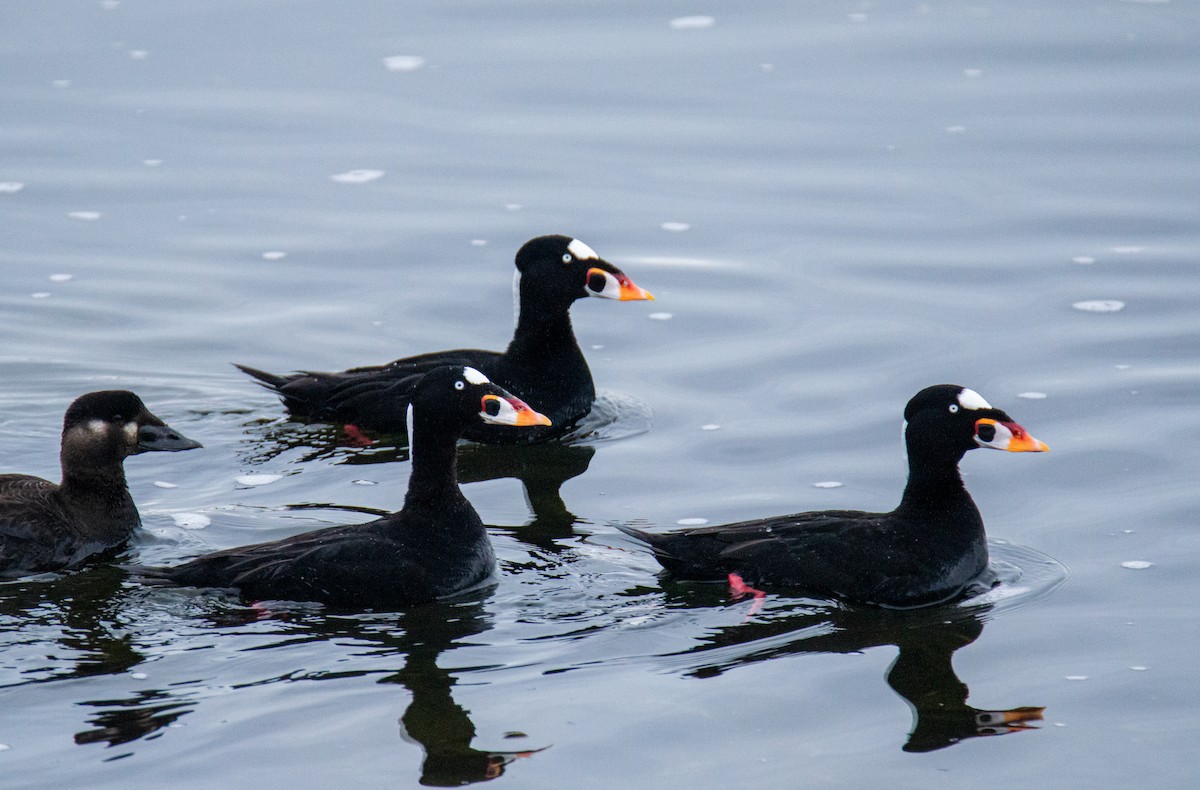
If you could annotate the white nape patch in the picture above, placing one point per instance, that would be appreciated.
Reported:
(131, 431)
(408, 426)
(582, 251)
(474, 376)
(970, 399)
(516, 297)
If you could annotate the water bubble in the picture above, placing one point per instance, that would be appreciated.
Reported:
(191, 520)
(86, 216)
(692, 22)
(259, 479)
(675, 227)
(274, 255)
(360, 176)
(828, 484)
(1032, 395)
(10, 187)
(691, 522)
(1100, 305)
(660, 316)
(403, 62)
(1136, 565)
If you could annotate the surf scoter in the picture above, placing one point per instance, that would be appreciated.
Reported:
(931, 548)
(434, 546)
(543, 363)
(47, 527)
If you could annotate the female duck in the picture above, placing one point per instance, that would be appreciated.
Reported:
(434, 546)
(931, 548)
(543, 363)
(47, 527)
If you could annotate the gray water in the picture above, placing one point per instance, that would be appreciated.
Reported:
(835, 204)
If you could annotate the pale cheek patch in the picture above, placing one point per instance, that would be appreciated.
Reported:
(97, 426)
(131, 431)
(474, 376)
(970, 399)
(582, 251)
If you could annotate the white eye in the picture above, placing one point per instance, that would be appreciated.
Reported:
(954, 408)
(459, 385)
(567, 258)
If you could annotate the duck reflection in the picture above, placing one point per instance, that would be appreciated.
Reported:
(922, 674)
(433, 720)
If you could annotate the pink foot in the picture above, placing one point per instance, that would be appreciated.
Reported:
(355, 437)
(739, 589)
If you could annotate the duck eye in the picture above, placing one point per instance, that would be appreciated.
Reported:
(459, 385)
(986, 432)
(954, 408)
(567, 258)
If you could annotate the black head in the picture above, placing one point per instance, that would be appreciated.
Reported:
(113, 424)
(948, 420)
(554, 271)
(455, 397)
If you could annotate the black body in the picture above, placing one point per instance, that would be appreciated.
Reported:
(543, 364)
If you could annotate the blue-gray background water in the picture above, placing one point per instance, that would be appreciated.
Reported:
(835, 205)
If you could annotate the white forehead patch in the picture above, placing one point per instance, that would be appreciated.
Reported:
(474, 376)
(970, 399)
(582, 251)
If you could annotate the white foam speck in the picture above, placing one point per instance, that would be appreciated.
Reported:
(403, 62)
(710, 427)
(1127, 250)
(660, 316)
(767, 68)
(87, 216)
(257, 479)
(40, 295)
(109, 5)
(138, 54)
(858, 17)
(478, 242)
(1128, 531)
(274, 255)
(360, 176)
(513, 206)
(364, 482)
(692, 22)
(956, 129)
(676, 227)
(138, 675)
(61, 278)
(1032, 395)
(1122, 367)
(1085, 259)
(828, 484)
(1100, 306)
(691, 522)
(164, 484)
(973, 73)
(152, 162)
(4, 747)
(597, 346)
(1139, 669)
(191, 520)
(1136, 565)
(1076, 677)
(10, 187)
(61, 83)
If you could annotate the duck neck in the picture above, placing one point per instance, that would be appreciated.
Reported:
(434, 480)
(935, 488)
(545, 334)
(99, 496)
